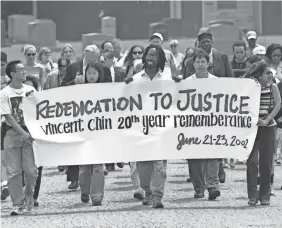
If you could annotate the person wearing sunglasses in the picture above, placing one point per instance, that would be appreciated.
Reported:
(179, 57)
(32, 67)
(127, 61)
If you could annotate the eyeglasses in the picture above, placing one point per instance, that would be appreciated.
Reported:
(31, 54)
(21, 70)
(137, 52)
(173, 46)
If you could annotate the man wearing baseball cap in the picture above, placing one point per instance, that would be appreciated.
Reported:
(260, 51)
(171, 65)
(251, 38)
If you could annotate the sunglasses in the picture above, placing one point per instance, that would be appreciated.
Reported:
(31, 54)
(173, 46)
(137, 52)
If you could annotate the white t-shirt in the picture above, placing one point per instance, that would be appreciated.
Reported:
(142, 76)
(193, 76)
(11, 100)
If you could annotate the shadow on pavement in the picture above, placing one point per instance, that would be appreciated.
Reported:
(122, 189)
(122, 177)
(52, 174)
(178, 182)
(123, 183)
(65, 192)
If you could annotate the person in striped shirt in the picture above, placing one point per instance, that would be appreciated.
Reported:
(264, 146)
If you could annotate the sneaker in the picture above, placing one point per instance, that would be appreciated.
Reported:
(199, 195)
(4, 193)
(189, 180)
(222, 177)
(253, 202)
(265, 202)
(73, 185)
(84, 198)
(232, 166)
(36, 204)
(213, 193)
(158, 204)
(96, 203)
(147, 200)
(61, 169)
(106, 173)
(120, 165)
(138, 195)
(29, 203)
(278, 162)
(18, 210)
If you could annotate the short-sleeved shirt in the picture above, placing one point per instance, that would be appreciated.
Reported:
(11, 100)
(142, 76)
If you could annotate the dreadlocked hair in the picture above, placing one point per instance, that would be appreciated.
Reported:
(161, 57)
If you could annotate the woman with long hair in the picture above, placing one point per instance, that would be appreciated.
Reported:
(67, 52)
(91, 177)
(33, 68)
(264, 146)
(274, 54)
(44, 58)
(135, 52)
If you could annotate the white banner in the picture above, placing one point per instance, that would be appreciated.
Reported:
(115, 122)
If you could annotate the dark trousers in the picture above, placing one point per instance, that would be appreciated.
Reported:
(73, 173)
(38, 183)
(262, 155)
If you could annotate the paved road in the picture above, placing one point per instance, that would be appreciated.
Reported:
(62, 208)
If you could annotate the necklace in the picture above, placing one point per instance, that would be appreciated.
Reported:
(19, 92)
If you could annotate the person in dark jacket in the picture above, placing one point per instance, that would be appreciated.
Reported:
(219, 62)
(238, 62)
(75, 71)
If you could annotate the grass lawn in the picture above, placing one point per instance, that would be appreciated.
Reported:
(14, 52)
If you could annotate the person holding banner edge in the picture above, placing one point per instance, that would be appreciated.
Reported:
(264, 146)
(152, 174)
(18, 141)
(91, 177)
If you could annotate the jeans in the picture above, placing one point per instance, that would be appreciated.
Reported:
(92, 181)
(204, 173)
(72, 173)
(4, 177)
(134, 175)
(153, 176)
(262, 157)
(19, 158)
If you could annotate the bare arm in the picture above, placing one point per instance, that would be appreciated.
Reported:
(277, 102)
(42, 78)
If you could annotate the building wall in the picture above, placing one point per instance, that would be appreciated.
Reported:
(243, 13)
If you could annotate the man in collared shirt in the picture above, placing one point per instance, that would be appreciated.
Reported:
(204, 172)
(152, 174)
(171, 65)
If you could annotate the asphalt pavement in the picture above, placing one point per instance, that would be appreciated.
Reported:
(60, 207)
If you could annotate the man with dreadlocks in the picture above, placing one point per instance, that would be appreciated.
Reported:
(152, 173)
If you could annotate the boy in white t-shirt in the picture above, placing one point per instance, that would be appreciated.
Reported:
(17, 140)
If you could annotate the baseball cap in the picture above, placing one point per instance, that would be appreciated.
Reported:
(251, 35)
(174, 42)
(158, 35)
(261, 50)
(63, 62)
